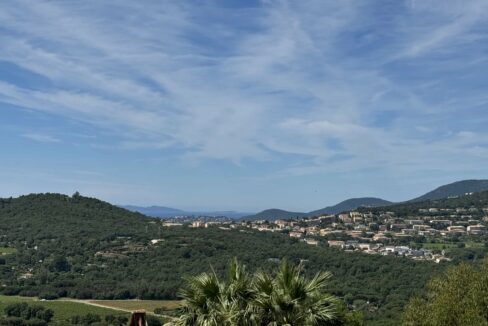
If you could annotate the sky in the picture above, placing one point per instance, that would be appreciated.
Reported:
(242, 105)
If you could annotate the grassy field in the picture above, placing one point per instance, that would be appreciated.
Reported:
(6, 251)
(148, 305)
(472, 244)
(65, 309)
(447, 245)
(437, 246)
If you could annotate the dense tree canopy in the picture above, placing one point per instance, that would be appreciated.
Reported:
(458, 297)
(85, 248)
(22, 314)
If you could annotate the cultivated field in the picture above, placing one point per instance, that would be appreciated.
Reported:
(65, 309)
(130, 305)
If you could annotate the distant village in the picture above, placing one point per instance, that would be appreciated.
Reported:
(371, 232)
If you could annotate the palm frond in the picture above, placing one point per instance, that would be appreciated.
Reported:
(286, 299)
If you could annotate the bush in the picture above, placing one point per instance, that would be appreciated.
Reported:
(12, 321)
(11, 290)
(458, 297)
(48, 296)
(35, 322)
(159, 311)
(152, 321)
(87, 319)
(29, 293)
(27, 312)
(116, 320)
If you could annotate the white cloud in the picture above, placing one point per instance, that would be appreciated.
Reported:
(42, 138)
(458, 19)
(292, 80)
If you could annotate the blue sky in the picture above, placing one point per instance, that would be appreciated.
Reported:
(242, 105)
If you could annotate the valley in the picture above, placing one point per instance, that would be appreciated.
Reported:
(58, 246)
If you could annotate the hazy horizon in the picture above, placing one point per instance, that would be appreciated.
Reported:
(242, 105)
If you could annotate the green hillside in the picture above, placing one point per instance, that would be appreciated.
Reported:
(458, 188)
(478, 200)
(346, 205)
(351, 204)
(455, 189)
(84, 248)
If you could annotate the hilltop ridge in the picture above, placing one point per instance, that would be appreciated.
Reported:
(454, 189)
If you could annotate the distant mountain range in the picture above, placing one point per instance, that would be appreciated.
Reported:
(346, 205)
(155, 211)
(454, 189)
(273, 213)
(162, 211)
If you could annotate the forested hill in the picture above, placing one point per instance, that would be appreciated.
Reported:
(346, 205)
(454, 189)
(53, 215)
(478, 200)
(351, 204)
(84, 248)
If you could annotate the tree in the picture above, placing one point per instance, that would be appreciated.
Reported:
(24, 314)
(60, 264)
(459, 297)
(291, 299)
(288, 298)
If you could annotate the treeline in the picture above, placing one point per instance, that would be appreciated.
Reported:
(84, 248)
(477, 200)
(457, 297)
(23, 314)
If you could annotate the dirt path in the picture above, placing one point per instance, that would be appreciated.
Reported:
(90, 303)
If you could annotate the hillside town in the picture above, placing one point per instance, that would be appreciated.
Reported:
(373, 232)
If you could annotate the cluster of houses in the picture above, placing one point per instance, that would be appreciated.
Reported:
(385, 250)
(196, 222)
(372, 232)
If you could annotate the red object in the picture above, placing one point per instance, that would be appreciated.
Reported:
(138, 318)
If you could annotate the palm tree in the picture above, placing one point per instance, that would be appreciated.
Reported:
(291, 299)
(203, 296)
(262, 300)
(211, 302)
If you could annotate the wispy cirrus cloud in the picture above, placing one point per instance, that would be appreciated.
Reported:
(328, 85)
(43, 138)
(443, 26)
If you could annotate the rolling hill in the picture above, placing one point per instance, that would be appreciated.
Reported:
(79, 247)
(450, 190)
(162, 212)
(273, 214)
(351, 204)
(454, 189)
(155, 211)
